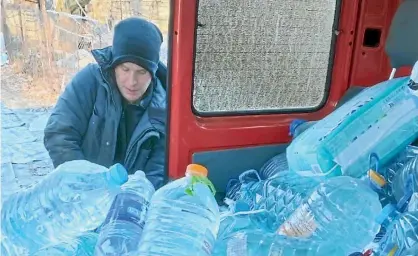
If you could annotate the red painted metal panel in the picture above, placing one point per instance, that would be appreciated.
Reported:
(371, 64)
(189, 133)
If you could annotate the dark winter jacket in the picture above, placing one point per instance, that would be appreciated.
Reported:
(84, 123)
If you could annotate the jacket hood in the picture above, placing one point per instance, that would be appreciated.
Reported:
(103, 57)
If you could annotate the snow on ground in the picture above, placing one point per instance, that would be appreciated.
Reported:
(24, 159)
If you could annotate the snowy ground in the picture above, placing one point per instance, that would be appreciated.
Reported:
(24, 160)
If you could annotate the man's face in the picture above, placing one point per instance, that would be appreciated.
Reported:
(132, 81)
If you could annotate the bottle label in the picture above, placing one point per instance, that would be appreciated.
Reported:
(128, 207)
(301, 224)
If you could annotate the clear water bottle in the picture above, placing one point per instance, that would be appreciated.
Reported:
(245, 189)
(275, 198)
(413, 203)
(72, 199)
(282, 194)
(398, 163)
(405, 181)
(273, 166)
(183, 218)
(341, 209)
(401, 236)
(413, 251)
(259, 242)
(80, 246)
(237, 220)
(298, 126)
(122, 229)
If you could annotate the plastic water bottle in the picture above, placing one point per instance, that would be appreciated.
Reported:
(70, 200)
(245, 188)
(237, 220)
(380, 119)
(342, 209)
(183, 217)
(80, 246)
(274, 199)
(273, 166)
(405, 181)
(282, 194)
(413, 203)
(298, 126)
(122, 229)
(398, 163)
(390, 171)
(401, 236)
(413, 251)
(258, 242)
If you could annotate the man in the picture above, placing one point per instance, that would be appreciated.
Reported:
(115, 111)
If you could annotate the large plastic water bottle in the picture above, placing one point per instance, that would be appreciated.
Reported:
(275, 198)
(398, 163)
(237, 220)
(183, 218)
(245, 188)
(405, 181)
(122, 229)
(401, 236)
(342, 209)
(298, 126)
(391, 170)
(80, 246)
(254, 191)
(259, 242)
(273, 166)
(72, 199)
(282, 194)
(413, 251)
(380, 119)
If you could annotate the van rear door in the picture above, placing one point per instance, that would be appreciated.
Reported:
(241, 70)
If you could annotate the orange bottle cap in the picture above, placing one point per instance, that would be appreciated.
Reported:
(197, 169)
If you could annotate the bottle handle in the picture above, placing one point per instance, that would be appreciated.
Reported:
(199, 179)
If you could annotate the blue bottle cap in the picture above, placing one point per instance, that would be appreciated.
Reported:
(294, 125)
(118, 174)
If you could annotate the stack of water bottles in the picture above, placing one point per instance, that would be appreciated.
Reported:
(85, 209)
(346, 185)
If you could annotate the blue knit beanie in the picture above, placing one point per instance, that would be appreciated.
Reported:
(138, 41)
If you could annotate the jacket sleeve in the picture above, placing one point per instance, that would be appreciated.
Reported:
(69, 119)
(155, 166)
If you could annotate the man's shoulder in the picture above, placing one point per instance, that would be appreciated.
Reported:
(159, 97)
(88, 77)
(90, 71)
